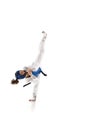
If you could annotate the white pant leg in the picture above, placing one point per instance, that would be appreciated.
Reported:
(36, 83)
(41, 51)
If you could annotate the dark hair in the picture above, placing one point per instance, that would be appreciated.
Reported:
(14, 81)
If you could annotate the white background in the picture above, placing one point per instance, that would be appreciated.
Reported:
(62, 95)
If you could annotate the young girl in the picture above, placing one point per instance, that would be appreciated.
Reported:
(32, 73)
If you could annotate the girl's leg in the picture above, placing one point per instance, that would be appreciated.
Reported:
(41, 51)
(36, 83)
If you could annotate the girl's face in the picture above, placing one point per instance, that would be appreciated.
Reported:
(29, 71)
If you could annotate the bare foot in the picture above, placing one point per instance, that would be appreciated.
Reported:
(33, 100)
